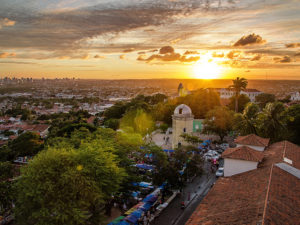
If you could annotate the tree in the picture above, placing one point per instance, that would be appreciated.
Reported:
(218, 121)
(67, 186)
(293, 123)
(245, 123)
(264, 98)
(239, 84)
(139, 120)
(27, 144)
(112, 123)
(6, 187)
(191, 139)
(242, 102)
(271, 122)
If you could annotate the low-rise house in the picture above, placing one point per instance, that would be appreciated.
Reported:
(295, 96)
(253, 141)
(240, 159)
(267, 195)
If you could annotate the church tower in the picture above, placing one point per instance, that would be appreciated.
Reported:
(182, 123)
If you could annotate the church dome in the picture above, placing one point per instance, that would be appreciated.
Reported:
(183, 110)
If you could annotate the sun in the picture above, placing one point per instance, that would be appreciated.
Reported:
(207, 70)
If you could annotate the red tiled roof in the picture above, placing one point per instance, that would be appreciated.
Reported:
(267, 195)
(252, 139)
(243, 153)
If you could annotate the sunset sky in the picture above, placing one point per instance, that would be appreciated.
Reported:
(120, 39)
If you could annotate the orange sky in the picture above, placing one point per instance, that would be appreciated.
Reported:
(121, 39)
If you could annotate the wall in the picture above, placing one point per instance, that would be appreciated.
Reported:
(236, 166)
(179, 123)
(257, 148)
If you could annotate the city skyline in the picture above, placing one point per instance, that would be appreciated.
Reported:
(150, 39)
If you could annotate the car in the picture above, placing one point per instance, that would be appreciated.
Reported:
(220, 172)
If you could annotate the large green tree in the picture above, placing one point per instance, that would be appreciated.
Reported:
(293, 123)
(245, 123)
(67, 186)
(239, 84)
(243, 100)
(218, 121)
(271, 122)
(264, 98)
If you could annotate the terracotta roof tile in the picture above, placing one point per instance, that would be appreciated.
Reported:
(243, 153)
(267, 195)
(252, 139)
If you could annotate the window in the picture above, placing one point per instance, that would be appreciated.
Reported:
(180, 111)
(184, 130)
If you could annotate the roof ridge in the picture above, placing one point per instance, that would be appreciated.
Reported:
(267, 196)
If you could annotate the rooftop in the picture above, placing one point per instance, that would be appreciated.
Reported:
(243, 153)
(252, 139)
(267, 195)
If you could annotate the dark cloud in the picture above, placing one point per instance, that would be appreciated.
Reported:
(256, 58)
(297, 54)
(141, 53)
(99, 57)
(166, 49)
(250, 39)
(217, 55)
(128, 50)
(233, 54)
(70, 29)
(284, 59)
(293, 45)
(191, 52)
(122, 56)
(168, 54)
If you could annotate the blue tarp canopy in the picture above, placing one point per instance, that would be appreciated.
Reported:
(150, 198)
(145, 166)
(146, 206)
(169, 150)
(145, 184)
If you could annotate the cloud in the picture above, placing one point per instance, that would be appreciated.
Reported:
(218, 55)
(293, 45)
(168, 54)
(99, 57)
(297, 54)
(250, 39)
(122, 56)
(233, 54)
(6, 23)
(128, 50)
(191, 52)
(256, 58)
(166, 49)
(284, 59)
(6, 55)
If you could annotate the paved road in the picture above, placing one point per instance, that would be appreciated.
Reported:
(192, 195)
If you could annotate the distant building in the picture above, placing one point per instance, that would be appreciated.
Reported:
(226, 93)
(295, 96)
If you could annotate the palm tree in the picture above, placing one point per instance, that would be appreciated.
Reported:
(271, 121)
(239, 84)
(245, 123)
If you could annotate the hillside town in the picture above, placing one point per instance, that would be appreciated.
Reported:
(192, 156)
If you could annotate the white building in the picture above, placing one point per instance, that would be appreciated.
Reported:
(240, 159)
(228, 93)
(253, 141)
(295, 96)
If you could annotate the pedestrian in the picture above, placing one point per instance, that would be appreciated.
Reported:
(124, 206)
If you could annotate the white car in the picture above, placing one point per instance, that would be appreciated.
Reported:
(220, 172)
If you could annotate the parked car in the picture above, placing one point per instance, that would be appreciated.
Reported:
(211, 155)
(220, 172)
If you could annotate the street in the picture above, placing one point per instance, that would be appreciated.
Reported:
(192, 195)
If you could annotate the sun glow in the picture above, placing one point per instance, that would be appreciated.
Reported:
(207, 69)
